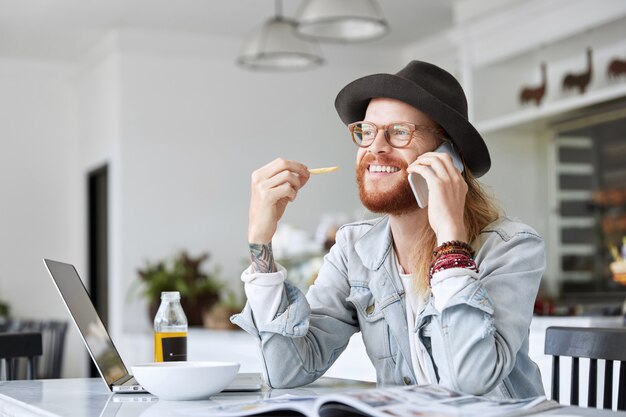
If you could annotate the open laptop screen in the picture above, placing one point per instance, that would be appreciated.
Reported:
(83, 312)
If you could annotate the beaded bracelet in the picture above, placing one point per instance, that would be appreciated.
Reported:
(455, 245)
(452, 261)
(454, 251)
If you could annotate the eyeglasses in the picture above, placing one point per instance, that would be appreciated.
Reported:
(397, 134)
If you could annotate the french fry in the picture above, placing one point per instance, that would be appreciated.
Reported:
(323, 170)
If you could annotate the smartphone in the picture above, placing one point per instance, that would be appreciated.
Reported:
(418, 183)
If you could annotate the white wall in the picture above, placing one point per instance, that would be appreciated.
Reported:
(39, 204)
(517, 173)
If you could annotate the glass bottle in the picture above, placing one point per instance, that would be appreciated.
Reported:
(170, 329)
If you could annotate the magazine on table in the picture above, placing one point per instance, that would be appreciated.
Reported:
(425, 400)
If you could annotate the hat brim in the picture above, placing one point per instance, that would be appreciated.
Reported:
(352, 101)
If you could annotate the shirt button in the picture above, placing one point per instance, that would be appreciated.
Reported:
(369, 309)
(406, 380)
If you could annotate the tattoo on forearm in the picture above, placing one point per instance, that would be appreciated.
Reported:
(262, 257)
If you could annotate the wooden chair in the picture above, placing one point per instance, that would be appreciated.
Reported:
(593, 343)
(20, 345)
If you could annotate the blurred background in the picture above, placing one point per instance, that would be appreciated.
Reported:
(129, 130)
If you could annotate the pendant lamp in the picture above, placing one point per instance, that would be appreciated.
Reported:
(341, 20)
(275, 47)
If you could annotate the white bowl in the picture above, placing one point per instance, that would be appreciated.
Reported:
(185, 380)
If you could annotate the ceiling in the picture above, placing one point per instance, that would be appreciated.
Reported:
(64, 29)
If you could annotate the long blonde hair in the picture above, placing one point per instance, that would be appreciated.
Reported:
(480, 210)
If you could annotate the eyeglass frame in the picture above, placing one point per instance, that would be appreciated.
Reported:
(413, 128)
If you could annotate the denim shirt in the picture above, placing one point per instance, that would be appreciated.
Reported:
(478, 342)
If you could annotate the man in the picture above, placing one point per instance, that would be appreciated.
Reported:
(442, 294)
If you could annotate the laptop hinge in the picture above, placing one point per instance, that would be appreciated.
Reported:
(122, 380)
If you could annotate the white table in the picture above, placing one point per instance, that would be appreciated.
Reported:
(89, 397)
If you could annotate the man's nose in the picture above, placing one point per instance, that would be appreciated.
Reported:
(380, 143)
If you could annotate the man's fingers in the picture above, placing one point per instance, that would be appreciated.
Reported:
(284, 190)
(282, 177)
(440, 162)
(439, 168)
(427, 172)
(279, 165)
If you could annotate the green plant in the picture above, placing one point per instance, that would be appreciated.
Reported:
(182, 273)
(4, 309)
(218, 317)
(230, 300)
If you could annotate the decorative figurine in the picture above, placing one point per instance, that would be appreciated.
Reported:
(535, 94)
(580, 80)
(616, 68)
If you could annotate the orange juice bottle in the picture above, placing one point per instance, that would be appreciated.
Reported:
(170, 329)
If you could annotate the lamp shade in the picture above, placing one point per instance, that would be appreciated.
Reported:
(274, 47)
(341, 20)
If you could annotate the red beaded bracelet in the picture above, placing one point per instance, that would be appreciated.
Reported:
(452, 261)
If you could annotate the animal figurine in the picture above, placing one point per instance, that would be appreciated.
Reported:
(535, 94)
(616, 68)
(580, 80)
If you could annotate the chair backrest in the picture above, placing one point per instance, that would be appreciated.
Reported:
(53, 338)
(20, 345)
(53, 333)
(608, 344)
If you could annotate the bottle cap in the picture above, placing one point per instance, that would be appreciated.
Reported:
(170, 295)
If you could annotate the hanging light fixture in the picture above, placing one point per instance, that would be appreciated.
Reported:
(341, 20)
(275, 47)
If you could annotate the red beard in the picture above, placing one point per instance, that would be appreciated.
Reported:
(396, 200)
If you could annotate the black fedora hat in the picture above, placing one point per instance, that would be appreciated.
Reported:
(429, 89)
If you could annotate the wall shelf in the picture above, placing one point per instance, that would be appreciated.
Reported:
(548, 110)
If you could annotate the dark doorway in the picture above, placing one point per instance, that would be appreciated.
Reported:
(98, 221)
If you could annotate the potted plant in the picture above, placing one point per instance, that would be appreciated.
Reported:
(4, 315)
(218, 316)
(199, 290)
(4, 309)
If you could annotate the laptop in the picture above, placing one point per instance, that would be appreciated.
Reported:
(97, 340)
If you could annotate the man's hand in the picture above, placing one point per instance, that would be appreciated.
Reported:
(272, 187)
(446, 195)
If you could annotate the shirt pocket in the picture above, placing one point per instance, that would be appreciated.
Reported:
(374, 328)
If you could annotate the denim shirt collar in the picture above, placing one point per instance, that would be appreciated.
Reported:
(374, 249)
(375, 245)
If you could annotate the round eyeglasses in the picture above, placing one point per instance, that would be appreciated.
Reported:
(397, 134)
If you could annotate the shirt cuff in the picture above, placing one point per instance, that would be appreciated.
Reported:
(265, 279)
(445, 284)
(264, 292)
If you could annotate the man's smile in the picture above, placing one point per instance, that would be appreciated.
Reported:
(382, 168)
